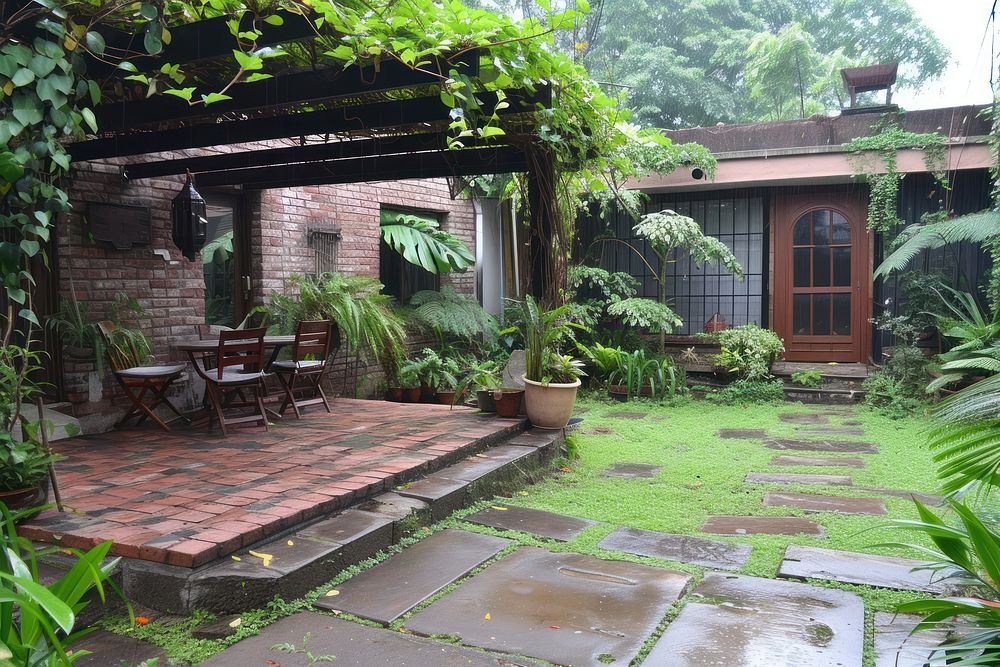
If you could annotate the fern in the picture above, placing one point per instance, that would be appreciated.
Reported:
(646, 313)
(974, 228)
(448, 313)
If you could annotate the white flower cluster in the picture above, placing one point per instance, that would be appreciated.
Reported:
(668, 229)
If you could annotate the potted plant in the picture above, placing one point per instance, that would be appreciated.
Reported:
(484, 377)
(551, 379)
(508, 401)
(637, 375)
(409, 379)
(435, 372)
(392, 365)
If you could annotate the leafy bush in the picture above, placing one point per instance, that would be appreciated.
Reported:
(449, 314)
(591, 289)
(897, 389)
(810, 378)
(433, 370)
(748, 351)
(544, 333)
(645, 313)
(748, 391)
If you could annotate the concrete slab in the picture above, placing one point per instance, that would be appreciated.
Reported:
(680, 548)
(895, 646)
(819, 461)
(352, 644)
(624, 414)
(632, 470)
(537, 522)
(755, 622)
(761, 525)
(822, 445)
(111, 650)
(397, 585)
(804, 418)
(567, 608)
(830, 430)
(814, 502)
(797, 478)
(443, 494)
(476, 467)
(741, 433)
(857, 568)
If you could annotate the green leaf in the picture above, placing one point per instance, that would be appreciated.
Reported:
(141, 78)
(258, 76)
(274, 19)
(491, 131)
(152, 43)
(212, 98)
(148, 11)
(95, 92)
(183, 93)
(248, 61)
(95, 42)
(342, 52)
(42, 66)
(127, 66)
(88, 116)
(22, 77)
(30, 247)
(29, 315)
(16, 294)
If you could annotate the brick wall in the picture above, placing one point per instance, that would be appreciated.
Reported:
(171, 289)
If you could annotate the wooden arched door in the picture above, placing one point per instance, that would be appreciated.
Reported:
(822, 277)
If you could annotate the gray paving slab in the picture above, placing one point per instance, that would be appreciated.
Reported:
(680, 548)
(398, 584)
(797, 478)
(820, 445)
(632, 470)
(352, 644)
(567, 608)
(819, 461)
(751, 622)
(434, 488)
(624, 414)
(830, 430)
(897, 646)
(815, 502)
(741, 433)
(857, 568)
(804, 418)
(761, 525)
(537, 522)
(111, 650)
(480, 465)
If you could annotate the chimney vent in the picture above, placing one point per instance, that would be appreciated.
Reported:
(869, 79)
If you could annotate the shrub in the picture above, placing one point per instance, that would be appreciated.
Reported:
(897, 389)
(810, 378)
(748, 351)
(748, 391)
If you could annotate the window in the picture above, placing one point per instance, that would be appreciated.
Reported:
(401, 278)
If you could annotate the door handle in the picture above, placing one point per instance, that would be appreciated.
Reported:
(246, 284)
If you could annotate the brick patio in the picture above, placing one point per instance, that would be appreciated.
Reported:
(188, 497)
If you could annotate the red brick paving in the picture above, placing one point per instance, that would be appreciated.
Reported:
(190, 497)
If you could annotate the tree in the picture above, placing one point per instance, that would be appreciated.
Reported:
(781, 70)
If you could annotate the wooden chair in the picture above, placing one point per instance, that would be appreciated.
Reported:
(138, 381)
(308, 364)
(244, 349)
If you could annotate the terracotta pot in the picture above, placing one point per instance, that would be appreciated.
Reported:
(27, 497)
(446, 397)
(394, 394)
(426, 393)
(618, 393)
(551, 405)
(508, 402)
(485, 400)
(411, 395)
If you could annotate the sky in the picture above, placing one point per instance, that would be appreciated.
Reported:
(960, 25)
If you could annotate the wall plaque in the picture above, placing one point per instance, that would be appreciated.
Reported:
(121, 226)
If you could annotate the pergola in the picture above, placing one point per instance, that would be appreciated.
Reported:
(316, 126)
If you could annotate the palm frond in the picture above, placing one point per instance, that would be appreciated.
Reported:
(973, 227)
(424, 244)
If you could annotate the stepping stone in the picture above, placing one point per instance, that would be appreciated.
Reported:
(818, 461)
(352, 644)
(680, 548)
(544, 524)
(832, 430)
(741, 433)
(814, 502)
(632, 470)
(822, 445)
(397, 585)
(626, 415)
(854, 568)
(895, 646)
(748, 621)
(794, 478)
(925, 498)
(853, 422)
(566, 608)
(110, 650)
(477, 467)
(804, 418)
(442, 494)
(761, 525)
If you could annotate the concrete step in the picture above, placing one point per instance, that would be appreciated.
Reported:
(301, 559)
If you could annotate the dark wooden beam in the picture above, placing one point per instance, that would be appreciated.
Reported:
(328, 121)
(279, 91)
(432, 164)
(334, 150)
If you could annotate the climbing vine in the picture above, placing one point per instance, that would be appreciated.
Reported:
(889, 139)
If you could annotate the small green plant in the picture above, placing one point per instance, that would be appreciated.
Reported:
(744, 391)
(572, 444)
(433, 370)
(810, 378)
(748, 351)
(544, 332)
(311, 659)
(897, 389)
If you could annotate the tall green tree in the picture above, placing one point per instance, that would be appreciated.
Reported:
(781, 70)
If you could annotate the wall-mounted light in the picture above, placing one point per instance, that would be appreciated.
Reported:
(190, 226)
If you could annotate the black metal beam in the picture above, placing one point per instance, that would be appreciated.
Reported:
(334, 150)
(328, 121)
(201, 40)
(433, 164)
(278, 91)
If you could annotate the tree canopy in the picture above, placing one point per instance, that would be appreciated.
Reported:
(699, 62)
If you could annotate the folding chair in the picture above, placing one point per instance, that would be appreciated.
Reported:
(138, 381)
(243, 348)
(308, 363)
